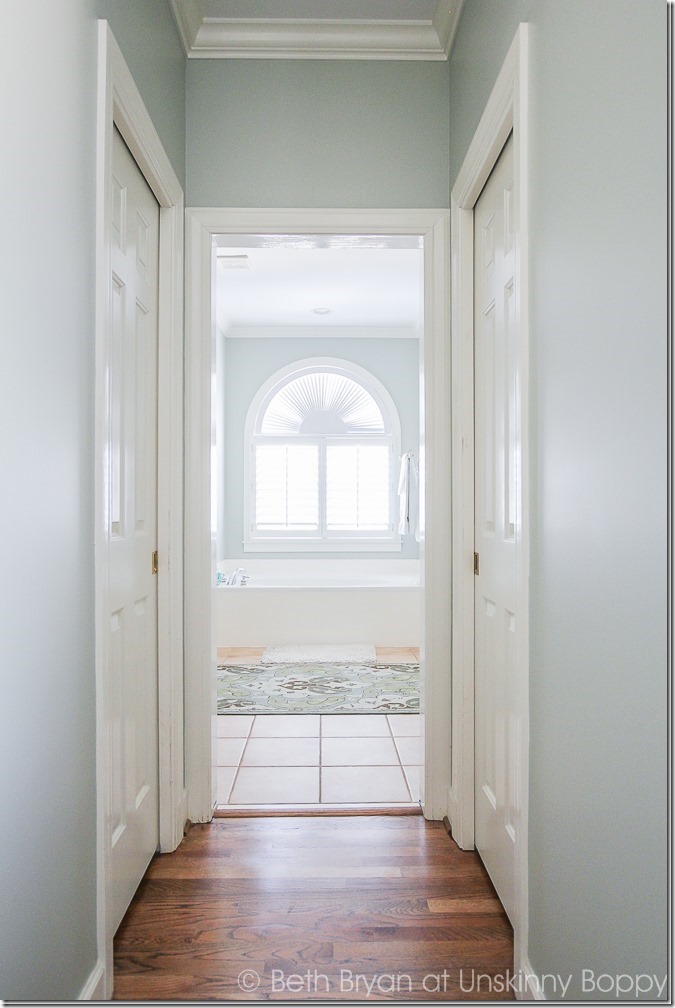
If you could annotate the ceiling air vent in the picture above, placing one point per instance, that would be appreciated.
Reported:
(233, 261)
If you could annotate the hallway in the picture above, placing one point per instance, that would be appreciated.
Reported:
(369, 129)
(328, 908)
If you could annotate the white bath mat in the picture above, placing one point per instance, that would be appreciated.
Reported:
(280, 654)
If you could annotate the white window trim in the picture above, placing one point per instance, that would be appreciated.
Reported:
(367, 542)
(323, 545)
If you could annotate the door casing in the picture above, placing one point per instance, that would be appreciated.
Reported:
(119, 104)
(506, 111)
(201, 227)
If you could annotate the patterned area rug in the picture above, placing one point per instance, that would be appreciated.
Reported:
(321, 688)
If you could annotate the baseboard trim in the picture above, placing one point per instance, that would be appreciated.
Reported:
(94, 988)
(531, 989)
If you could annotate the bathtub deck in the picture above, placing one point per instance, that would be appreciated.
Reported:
(317, 760)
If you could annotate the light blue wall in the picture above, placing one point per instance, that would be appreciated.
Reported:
(146, 33)
(317, 133)
(598, 447)
(47, 746)
(248, 365)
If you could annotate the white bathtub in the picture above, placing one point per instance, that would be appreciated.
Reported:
(320, 602)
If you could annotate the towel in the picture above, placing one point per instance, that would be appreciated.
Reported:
(408, 491)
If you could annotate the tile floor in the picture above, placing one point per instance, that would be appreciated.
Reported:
(310, 759)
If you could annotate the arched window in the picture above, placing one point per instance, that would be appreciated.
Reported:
(323, 440)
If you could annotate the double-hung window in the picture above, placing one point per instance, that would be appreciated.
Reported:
(323, 456)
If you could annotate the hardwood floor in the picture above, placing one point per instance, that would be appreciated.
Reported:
(294, 908)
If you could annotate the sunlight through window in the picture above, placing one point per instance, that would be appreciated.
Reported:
(324, 454)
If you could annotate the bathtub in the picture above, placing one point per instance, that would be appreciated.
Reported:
(320, 602)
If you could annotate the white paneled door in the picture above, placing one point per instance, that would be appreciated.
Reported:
(496, 528)
(132, 499)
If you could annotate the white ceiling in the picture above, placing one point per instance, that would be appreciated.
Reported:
(368, 291)
(317, 29)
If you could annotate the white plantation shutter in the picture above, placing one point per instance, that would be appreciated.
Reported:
(322, 403)
(357, 488)
(287, 487)
(323, 451)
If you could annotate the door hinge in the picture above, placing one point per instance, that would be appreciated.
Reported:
(154, 562)
(476, 563)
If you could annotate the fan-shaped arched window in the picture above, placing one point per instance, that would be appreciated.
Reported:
(324, 437)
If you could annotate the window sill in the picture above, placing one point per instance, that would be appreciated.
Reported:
(323, 546)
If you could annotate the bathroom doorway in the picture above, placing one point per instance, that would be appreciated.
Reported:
(318, 617)
(319, 344)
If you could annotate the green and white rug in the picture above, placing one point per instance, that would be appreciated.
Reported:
(320, 688)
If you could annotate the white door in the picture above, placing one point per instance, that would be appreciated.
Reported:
(132, 701)
(495, 376)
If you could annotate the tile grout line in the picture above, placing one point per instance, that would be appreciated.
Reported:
(241, 759)
(400, 761)
(320, 759)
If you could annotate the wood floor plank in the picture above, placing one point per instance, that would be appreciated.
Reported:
(323, 903)
(187, 868)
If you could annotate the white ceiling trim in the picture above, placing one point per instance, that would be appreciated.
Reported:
(285, 38)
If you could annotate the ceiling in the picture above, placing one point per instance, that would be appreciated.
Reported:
(317, 29)
(368, 291)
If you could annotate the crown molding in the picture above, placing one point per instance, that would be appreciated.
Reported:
(188, 17)
(446, 22)
(321, 332)
(207, 37)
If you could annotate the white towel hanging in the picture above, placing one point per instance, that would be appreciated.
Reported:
(408, 490)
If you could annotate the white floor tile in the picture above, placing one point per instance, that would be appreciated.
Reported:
(410, 750)
(363, 784)
(276, 786)
(286, 725)
(404, 724)
(358, 752)
(354, 725)
(281, 752)
(234, 725)
(229, 751)
(225, 780)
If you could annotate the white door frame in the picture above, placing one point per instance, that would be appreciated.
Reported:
(505, 111)
(120, 105)
(201, 227)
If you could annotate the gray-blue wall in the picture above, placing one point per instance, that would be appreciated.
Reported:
(47, 797)
(147, 35)
(248, 363)
(598, 447)
(317, 133)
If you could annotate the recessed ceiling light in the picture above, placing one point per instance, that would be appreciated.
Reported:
(322, 311)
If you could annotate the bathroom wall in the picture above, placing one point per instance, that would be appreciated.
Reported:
(248, 363)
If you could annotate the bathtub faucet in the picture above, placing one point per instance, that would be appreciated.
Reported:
(240, 577)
